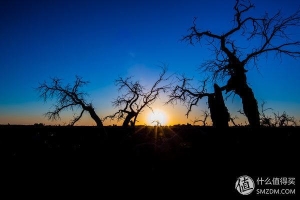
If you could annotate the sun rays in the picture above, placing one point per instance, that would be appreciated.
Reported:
(157, 117)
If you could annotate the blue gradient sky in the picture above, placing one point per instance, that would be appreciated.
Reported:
(102, 40)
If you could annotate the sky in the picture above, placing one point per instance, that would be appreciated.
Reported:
(103, 40)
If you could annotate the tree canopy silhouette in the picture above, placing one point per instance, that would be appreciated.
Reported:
(67, 97)
(135, 97)
(231, 59)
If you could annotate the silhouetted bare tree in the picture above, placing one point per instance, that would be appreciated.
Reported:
(187, 94)
(279, 120)
(67, 97)
(204, 120)
(135, 98)
(265, 120)
(231, 59)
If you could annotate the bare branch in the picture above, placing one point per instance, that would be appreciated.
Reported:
(76, 118)
(264, 34)
(186, 94)
(272, 32)
(67, 97)
(232, 120)
(204, 118)
(135, 97)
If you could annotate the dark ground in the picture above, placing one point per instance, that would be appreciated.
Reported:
(189, 160)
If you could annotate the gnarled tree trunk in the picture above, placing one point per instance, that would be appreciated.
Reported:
(238, 83)
(250, 106)
(129, 116)
(218, 111)
(94, 116)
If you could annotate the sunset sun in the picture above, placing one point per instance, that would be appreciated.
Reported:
(157, 117)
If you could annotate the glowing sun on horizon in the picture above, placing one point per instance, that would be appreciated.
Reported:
(157, 116)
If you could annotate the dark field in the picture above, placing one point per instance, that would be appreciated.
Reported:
(199, 159)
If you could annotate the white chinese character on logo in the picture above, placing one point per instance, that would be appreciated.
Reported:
(244, 185)
(268, 181)
(283, 180)
(275, 181)
(291, 181)
(260, 181)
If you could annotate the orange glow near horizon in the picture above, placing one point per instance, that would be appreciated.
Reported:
(157, 117)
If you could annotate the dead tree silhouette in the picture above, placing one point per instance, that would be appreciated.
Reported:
(279, 120)
(68, 97)
(230, 61)
(218, 111)
(135, 97)
(185, 93)
(204, 120)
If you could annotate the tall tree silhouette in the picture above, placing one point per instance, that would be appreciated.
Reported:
(231, 60)
(135, 97)
(68, 97)
(188, 94)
